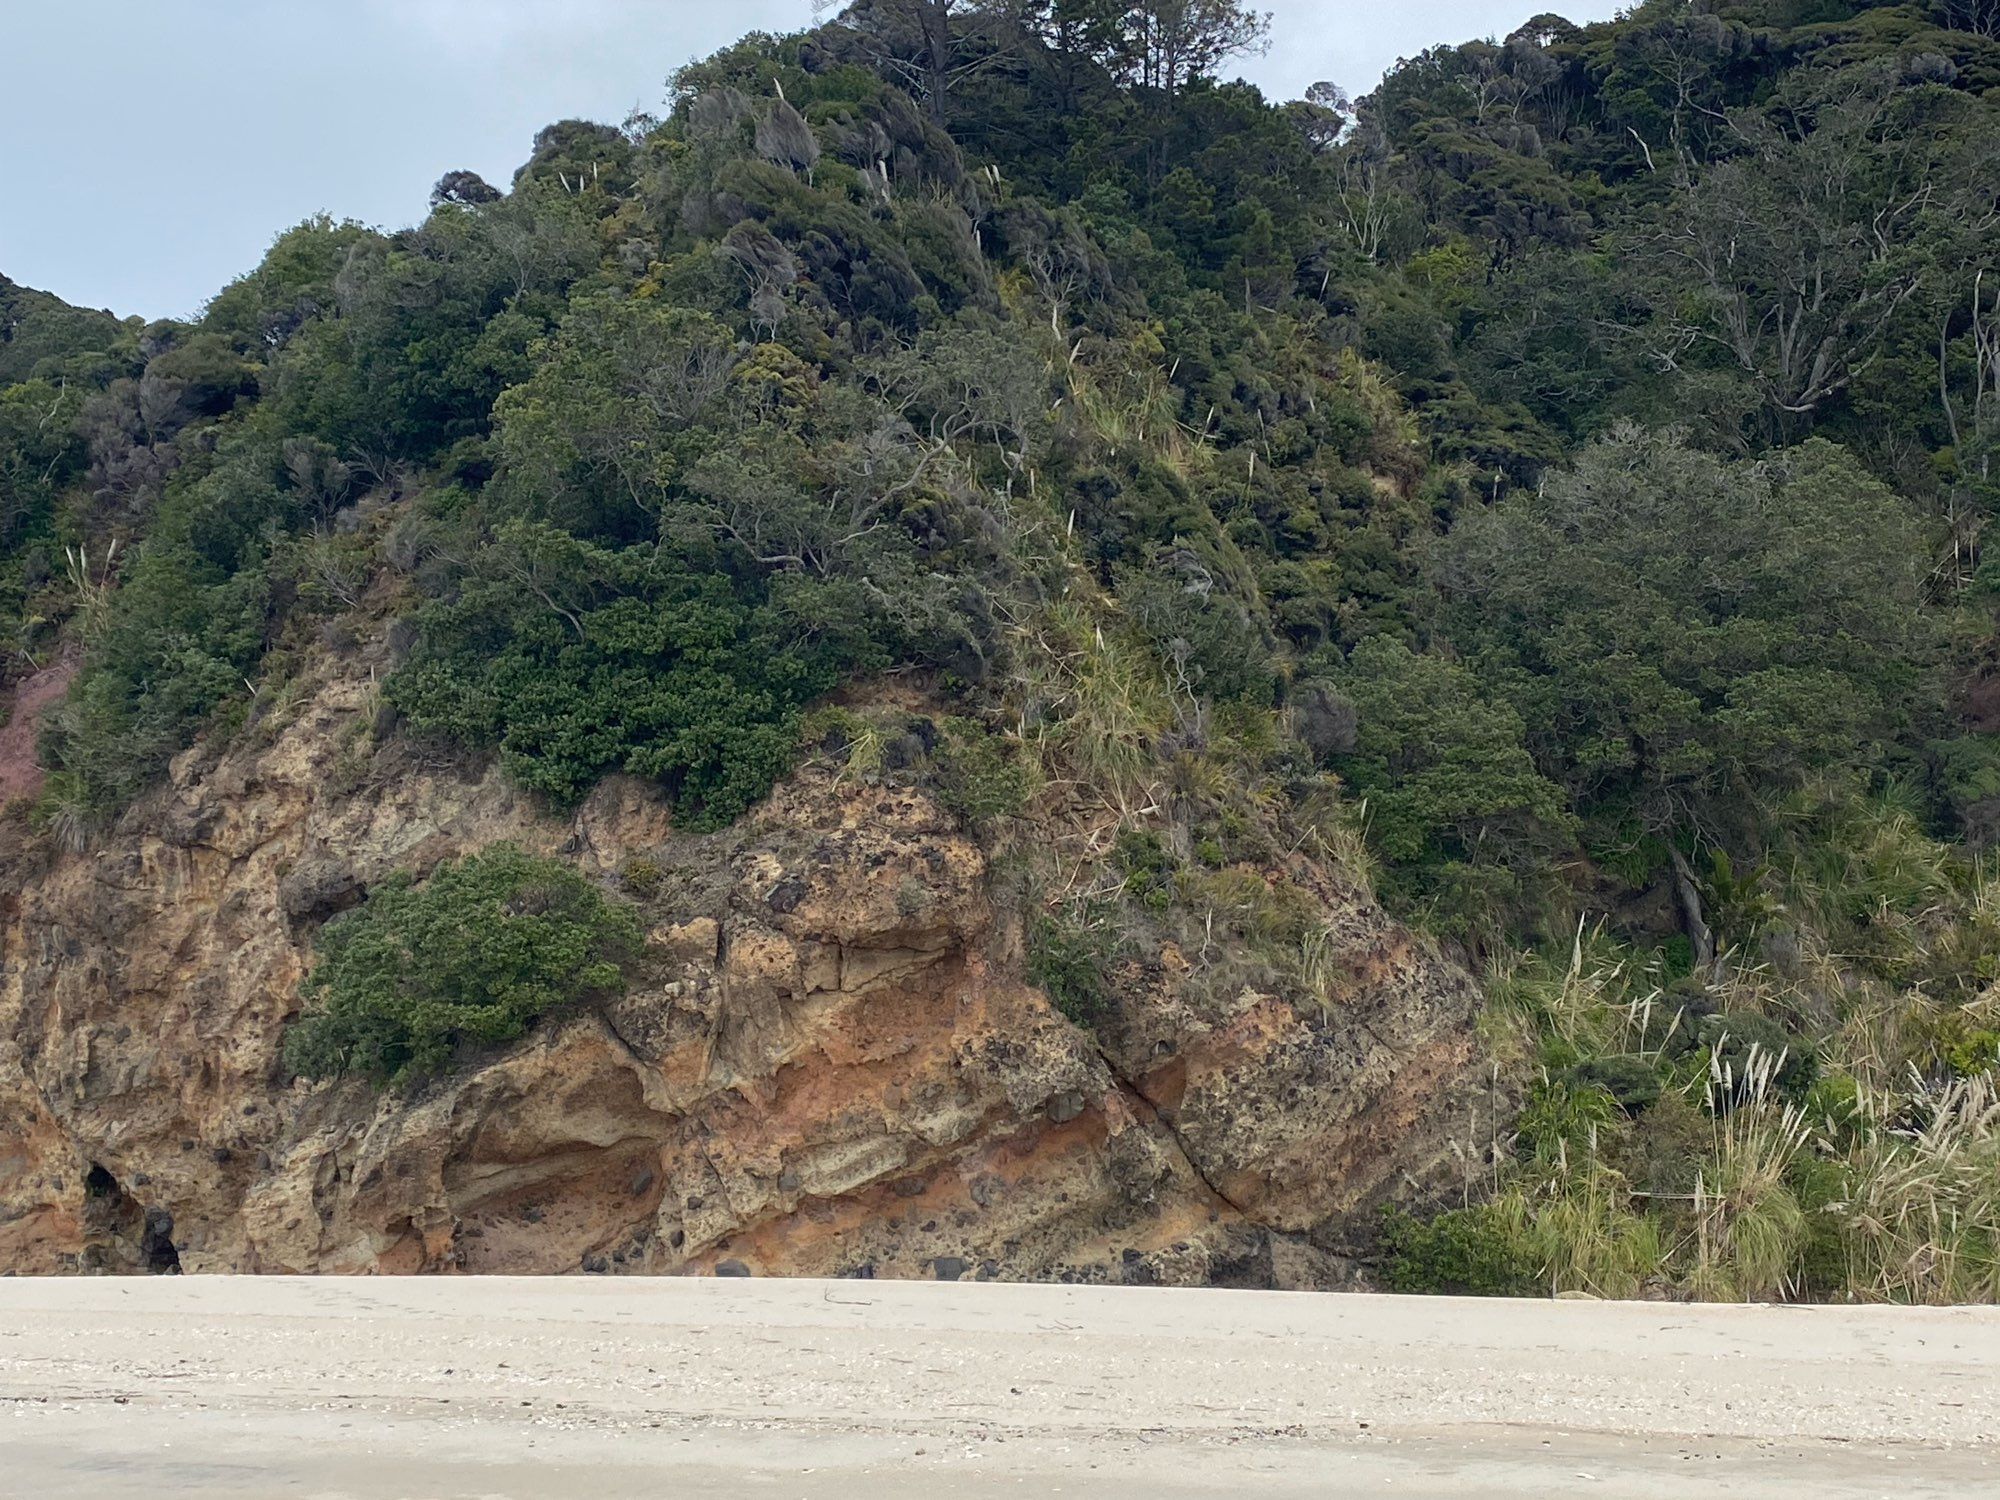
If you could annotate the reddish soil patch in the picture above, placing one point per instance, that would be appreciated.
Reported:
(20, 772)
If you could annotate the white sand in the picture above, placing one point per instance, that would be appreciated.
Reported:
(605, 1389)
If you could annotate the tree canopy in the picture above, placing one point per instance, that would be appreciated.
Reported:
(1600, 420)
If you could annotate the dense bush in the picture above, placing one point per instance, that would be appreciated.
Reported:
(1470, 1252)
(1688, 634)
(575, 660)
(1454, 799)
(183, 636)
(472, 957)
(1068, 958)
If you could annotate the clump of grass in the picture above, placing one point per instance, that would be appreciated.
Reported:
(856, 743)
(1826, 1127)
(1092, 701)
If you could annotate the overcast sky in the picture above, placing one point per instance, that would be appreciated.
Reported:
(151, 149)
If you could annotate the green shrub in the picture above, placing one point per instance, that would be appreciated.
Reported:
(471, 957)
(1204, 634)
(1148, 867)
(1067, 958)
(183, 634)
(1972, 1052)
(1632, 1081)
(642, 876)
(1469, 1252)
(976, 778)
(577, 660)
(1747, 1046)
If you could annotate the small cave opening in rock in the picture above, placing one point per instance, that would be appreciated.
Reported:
(121, 1235)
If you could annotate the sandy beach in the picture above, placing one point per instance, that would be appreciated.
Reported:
(371, 1389)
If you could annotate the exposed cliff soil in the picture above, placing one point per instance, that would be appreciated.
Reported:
(22, 705)
(833, 1066)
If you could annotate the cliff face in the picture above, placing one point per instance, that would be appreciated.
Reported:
(835, 1068)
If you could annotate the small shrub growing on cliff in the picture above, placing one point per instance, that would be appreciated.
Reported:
(643, 877)
(473, 956)
(1067, 957)
(976, 777)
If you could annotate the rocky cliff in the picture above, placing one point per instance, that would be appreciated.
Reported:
(834, 1066)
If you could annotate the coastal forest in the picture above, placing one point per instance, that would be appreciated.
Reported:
(1553, 488)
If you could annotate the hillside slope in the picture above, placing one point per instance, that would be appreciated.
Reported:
(1114, 597)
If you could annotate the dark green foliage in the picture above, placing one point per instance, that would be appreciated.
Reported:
(1464, 1252)
(433, 323)
(575, 659)
(41, 335)
(40, 456)
(1148, 867)
(193, 615)
(1202, 631)
(472, 957)
(1633, 1081)
(1445, 769)
(1751, 1051)
(1687, 634)
(1454, 799)
(293, 285)
(1069, 956)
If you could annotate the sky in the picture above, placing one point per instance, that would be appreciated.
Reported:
(149, 151)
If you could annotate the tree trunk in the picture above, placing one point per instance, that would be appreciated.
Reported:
(935, 18)
(1692, 919)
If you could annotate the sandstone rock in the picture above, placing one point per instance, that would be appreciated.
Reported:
(695, 944)
(318, 888)
(837, 1068)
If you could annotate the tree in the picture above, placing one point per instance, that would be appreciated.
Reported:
(1444, 768)
(37, 330)
(1980, 17)
(1169, 44)
(1075, 36)
(1323, 116)
(1789, 260)
(466, 189)
(1364, 201)
(784, 137)
(39, 453)
(919, 43)
(616, 411)
(1684, 635)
